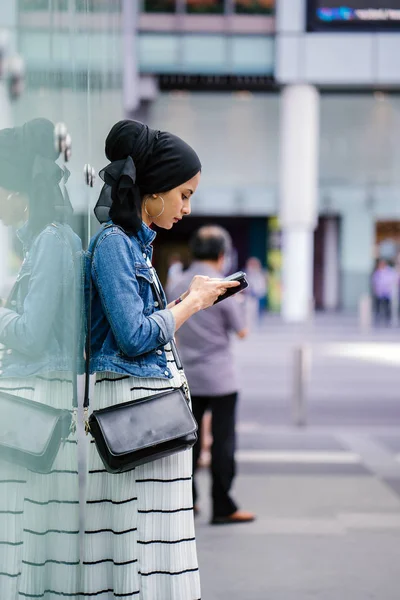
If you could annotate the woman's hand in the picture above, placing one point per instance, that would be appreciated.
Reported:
(204, 291)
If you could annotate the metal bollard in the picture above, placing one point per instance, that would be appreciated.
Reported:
(365, 312)
(301, 369)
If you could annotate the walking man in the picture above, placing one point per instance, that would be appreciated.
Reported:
(206, 349)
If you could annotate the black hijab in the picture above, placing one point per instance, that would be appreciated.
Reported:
(143, 161)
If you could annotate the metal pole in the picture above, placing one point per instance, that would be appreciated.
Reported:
(301, 366)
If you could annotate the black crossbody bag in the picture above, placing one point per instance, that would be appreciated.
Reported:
(136, 432)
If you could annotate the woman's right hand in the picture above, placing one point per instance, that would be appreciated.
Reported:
(204, 291)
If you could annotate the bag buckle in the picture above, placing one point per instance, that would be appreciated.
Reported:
(185, 386)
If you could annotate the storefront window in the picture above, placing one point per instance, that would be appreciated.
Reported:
(205, 6)
(255, 7)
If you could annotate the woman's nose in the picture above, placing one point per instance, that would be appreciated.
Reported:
(187, 209)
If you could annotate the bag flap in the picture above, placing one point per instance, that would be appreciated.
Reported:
(26, 425)
(147, 422)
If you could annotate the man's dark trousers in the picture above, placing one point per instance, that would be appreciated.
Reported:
(223, 410)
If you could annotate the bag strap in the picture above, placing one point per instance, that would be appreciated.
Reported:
(88, 344)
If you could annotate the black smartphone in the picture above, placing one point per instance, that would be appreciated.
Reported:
(239, 276)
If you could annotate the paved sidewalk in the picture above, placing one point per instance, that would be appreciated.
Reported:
(327, 496)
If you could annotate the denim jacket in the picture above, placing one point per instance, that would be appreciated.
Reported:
(38, 326)
(128, 328)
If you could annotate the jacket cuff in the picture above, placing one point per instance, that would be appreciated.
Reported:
(166, 322)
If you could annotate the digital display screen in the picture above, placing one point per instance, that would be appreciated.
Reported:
(353, 15)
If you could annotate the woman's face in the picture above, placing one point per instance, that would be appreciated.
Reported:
(13, 207)
(176, 204)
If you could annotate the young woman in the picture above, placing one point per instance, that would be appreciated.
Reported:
(139, 532)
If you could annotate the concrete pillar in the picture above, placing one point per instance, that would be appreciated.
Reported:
(299, 136)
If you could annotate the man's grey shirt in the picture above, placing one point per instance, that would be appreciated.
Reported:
(204, 341)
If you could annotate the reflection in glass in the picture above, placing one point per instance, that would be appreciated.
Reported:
(255, 7)
(205, 6)
(163, 6)
(40, 340)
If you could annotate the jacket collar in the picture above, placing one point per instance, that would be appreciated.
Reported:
(145, 235)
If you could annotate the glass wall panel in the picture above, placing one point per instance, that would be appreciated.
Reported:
(60, 92)
(41, 317)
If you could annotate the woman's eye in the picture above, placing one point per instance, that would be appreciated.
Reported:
(184, 197)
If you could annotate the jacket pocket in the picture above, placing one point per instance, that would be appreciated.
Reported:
(144, 278)
(143, 272)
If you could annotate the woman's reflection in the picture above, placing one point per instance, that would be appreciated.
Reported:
(39, 542)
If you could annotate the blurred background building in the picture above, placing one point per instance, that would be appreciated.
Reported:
(293, 108)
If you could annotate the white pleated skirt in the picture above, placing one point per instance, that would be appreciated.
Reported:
(139, 537)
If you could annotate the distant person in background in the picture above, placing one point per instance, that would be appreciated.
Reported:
(205, 346)
(384, 280)
(256, 293)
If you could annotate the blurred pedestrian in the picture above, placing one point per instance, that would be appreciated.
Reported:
(256, 293)
(384, 280)
(206, 347)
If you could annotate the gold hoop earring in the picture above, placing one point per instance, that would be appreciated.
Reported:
(154, 216)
